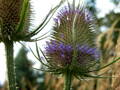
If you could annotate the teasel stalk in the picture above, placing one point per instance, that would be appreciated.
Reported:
(14, 27)
(72, 51)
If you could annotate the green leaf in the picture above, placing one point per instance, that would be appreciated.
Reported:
(96, 76)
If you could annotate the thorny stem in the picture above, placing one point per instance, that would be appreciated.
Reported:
(10, 65)
(68, 80)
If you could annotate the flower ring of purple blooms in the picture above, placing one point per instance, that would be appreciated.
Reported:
(63, 54)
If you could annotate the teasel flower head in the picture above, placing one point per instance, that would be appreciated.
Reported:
(72, 45)
(15, 19)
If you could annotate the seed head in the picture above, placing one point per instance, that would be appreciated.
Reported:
(11, 15)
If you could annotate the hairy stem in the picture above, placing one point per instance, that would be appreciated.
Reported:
(68, 80)
(10, 65)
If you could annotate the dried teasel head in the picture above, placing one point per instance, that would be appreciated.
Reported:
(15, 20)
(10, 13)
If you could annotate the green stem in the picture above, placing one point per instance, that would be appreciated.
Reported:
(10, 65)
(68, 80)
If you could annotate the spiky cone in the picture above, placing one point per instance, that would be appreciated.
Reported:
(14, 24)
(72, 51)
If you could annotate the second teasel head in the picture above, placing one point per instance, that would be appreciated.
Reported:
(72, 45)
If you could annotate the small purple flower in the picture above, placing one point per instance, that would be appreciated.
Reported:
(56, 20)
(62, 35)
(88, 16)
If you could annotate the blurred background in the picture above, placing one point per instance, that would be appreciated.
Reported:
(107, 14)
